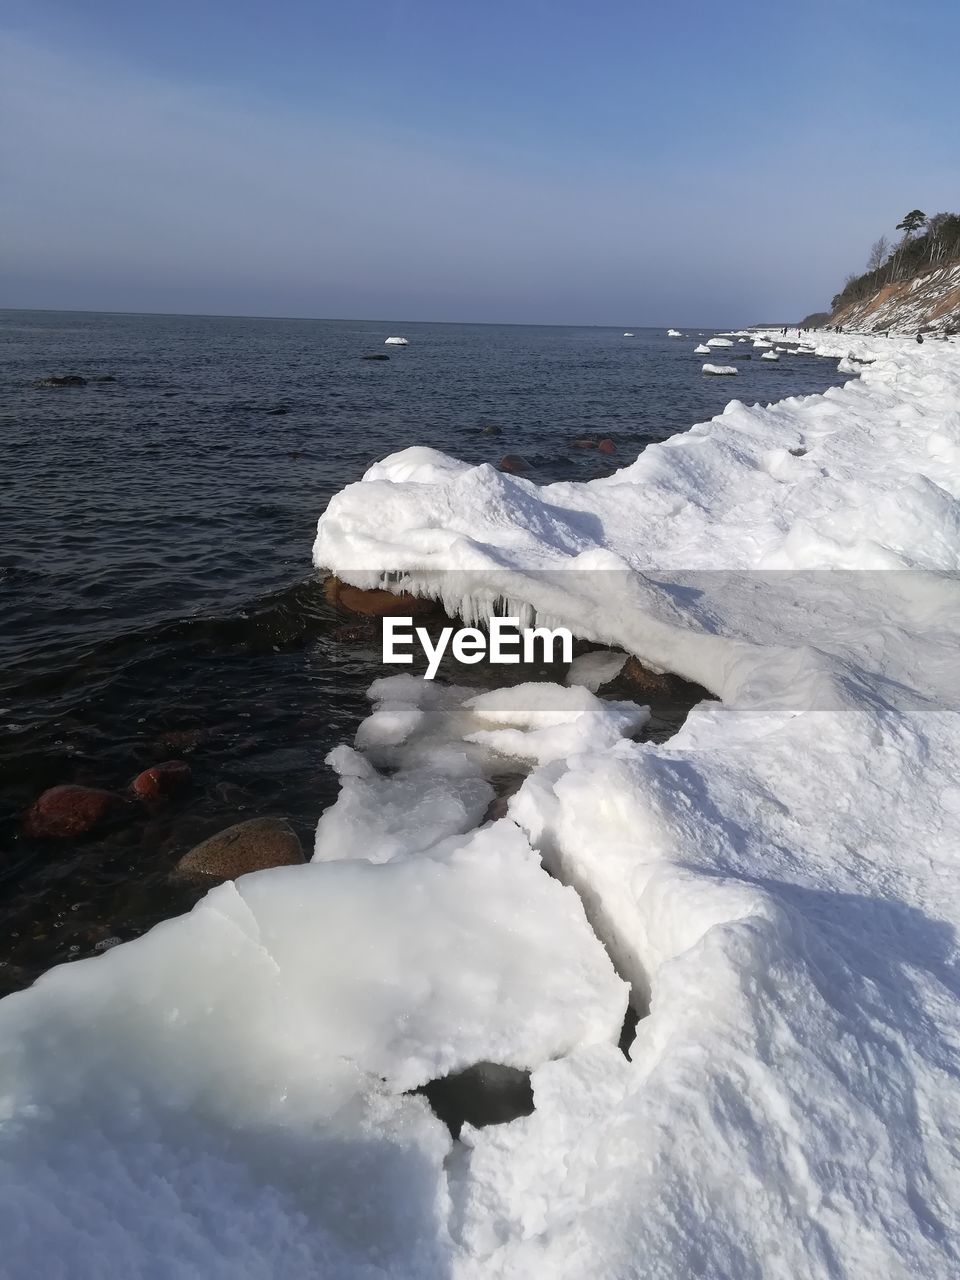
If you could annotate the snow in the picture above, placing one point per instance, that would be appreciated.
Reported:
(769, 355)
(778, 883)
(719, 342)
(701, 350)
(674, 333)
(720, 369)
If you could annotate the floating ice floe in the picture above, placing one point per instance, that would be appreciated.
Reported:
(718, 370)
(674, 333)
(701, 350)
(628, 335)
(769, 355)
(760, 344)
(396, 342)
(719, 342)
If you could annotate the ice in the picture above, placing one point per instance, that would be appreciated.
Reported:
(779, 880)
(701, 350)
(595, 668)
(674, 333)
(769, 355)
(720, 370)
(719, 342)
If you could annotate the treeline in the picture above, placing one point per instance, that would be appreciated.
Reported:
(925, 243)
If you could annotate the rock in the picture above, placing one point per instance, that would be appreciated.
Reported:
(161, 780)
(584, 442)
(606, 445)
(62, 380)
(513, 463)
(491, 430)
(249, 846)
(375, 602)
(64, 812)
(643, 679)
(379, 356)
(104, 377)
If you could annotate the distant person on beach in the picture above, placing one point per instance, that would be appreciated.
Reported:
(919, 337)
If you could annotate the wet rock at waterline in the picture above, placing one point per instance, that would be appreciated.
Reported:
(374, 602)
(65, 812)
(513, 464)
(249, 846)
(161, 780)
(380, 355)
(491, 430)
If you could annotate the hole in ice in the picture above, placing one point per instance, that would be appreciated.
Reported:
(628, 1030)
(486, 1093)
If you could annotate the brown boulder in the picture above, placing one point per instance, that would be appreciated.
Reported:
(643, 679)
(161, 780)
(248, 846)
(375, 602)
(64, 812)
(514, 464)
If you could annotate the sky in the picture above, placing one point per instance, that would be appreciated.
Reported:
(529, 161)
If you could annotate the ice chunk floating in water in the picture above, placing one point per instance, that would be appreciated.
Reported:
(720, 370)
(395, 342)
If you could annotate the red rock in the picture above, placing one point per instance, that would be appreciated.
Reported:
(606, 445)
(67, 811)
(514, 464)
(161, 780)
(376, 602)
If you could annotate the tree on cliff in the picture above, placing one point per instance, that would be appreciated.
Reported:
(878, 254)
(912, 222)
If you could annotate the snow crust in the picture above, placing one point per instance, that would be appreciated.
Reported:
(779, 881)
(779, 885)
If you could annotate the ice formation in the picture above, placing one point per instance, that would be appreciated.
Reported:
(778, 883)
(720, 370)
(674, 333)
(719, 342)
(396, 342)
(701, 350)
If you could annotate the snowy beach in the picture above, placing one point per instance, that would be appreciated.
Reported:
(775, 890)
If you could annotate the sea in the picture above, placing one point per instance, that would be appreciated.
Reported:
(157, 597)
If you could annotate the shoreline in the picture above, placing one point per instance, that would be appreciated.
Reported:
(746, 877)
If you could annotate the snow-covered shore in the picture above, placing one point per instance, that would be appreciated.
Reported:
(779, 884)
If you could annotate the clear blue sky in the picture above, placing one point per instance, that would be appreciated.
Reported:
(552, 161)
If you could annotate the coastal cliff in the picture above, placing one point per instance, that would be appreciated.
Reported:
(929, 302)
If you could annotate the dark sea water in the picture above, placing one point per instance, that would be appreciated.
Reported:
(155, 573)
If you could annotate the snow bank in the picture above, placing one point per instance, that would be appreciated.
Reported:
(779, 881)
